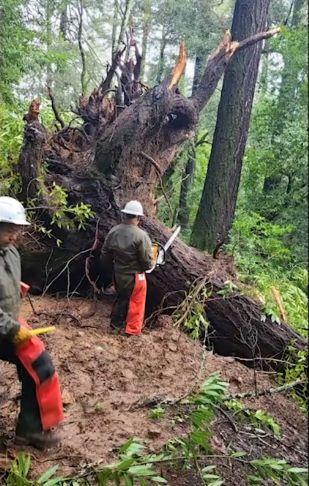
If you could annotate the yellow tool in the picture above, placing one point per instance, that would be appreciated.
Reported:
(42, 330)
(26, 333)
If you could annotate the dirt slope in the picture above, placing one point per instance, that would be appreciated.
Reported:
(109, 383)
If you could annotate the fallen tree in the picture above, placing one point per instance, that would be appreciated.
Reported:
(122, 149)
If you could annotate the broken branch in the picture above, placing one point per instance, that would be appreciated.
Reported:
(180, 67)
(218, 62)
(54, 107)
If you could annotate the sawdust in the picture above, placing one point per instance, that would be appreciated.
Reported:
(110, 383)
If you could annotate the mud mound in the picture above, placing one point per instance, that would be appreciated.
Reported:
(110, 382)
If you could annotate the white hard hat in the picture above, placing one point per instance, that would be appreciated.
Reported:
(12, 211)
(133, 207)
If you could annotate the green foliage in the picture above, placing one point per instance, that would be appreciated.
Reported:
(262, 417)
(10, 143)
(209, 476)
(275, 172)
(15, 39)
(265, 262)
(279, 471)
(64, 215)
(228, 289)
(157, 413)
(19, 474)
(258, 417)
(133, 468)
(190, 314)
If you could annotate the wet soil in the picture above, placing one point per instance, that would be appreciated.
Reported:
(111, 382)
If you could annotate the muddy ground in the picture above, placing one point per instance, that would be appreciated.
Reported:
(110, 383)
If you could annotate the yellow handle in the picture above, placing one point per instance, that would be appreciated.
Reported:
(42, 330)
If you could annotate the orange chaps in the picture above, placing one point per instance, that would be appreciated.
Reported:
(136, 311)
(37, 362)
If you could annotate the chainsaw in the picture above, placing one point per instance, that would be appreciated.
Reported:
(159, 251)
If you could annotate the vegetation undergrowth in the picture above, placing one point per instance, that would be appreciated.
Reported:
(192, 453)
(64, 215)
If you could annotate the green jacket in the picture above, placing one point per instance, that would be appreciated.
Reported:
(10, 299)
(129, 248)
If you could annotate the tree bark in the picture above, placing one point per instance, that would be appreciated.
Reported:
(217, 206)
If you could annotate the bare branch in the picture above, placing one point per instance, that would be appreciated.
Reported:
(54, 107)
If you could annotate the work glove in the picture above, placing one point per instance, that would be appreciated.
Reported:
(24, 334)
(155, 253)
(24, 289)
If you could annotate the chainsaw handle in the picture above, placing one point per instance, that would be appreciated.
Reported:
(163, 253)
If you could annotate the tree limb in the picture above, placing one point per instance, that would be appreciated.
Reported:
(218, 62)
(54, 107)
(269, 391)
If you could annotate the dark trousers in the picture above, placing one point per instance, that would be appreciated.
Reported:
(124, 286)
(29, 417)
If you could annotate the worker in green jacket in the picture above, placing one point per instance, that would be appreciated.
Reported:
(41, 405)
(129, 249)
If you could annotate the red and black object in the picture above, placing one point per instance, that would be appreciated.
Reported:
(36, 360)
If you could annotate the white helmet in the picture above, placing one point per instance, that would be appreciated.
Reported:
(133, 207)
(12, 211)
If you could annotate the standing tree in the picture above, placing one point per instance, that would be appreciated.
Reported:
(188, 173)
(217, 206)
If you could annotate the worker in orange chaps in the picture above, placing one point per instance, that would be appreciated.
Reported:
(41, 404)
(129, 248)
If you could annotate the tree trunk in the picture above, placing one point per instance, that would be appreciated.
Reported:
(64, 21)
(160, 70)
(189, 168)
(124, 23)
(146, 30)
(217, 206)
(114, 29)
(114, 158)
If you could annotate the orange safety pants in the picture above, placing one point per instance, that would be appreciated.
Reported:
(129, 308)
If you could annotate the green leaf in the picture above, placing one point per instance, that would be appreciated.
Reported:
(239, 454)
(124, 465)
(209, 468)
(131, 448)
(298, 470)
(158, 479)
(141, 470)
(48, 474)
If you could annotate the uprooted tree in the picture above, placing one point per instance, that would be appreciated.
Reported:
(127, 140)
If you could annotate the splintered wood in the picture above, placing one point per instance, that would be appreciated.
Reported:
(180, 67)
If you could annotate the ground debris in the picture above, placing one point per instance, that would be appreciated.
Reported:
(110, 383)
